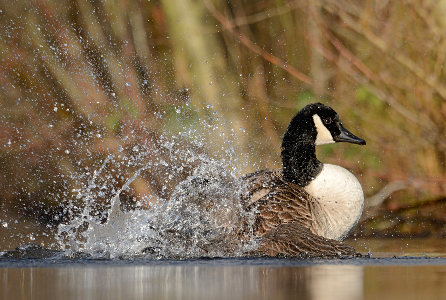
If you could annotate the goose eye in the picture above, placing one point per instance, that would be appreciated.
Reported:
(327, 121)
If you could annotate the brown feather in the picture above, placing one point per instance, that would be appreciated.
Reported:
(283, 218)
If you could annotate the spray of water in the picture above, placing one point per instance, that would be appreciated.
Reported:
(201, 216)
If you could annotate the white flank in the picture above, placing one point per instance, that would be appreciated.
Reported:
(323, 135)
(339, 202)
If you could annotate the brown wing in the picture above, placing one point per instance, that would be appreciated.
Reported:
(294, 239)
(275, 200)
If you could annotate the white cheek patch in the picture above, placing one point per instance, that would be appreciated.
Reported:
(323, 135)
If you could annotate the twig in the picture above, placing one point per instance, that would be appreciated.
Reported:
(354, 60)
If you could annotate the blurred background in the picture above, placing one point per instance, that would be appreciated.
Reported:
(80, 80)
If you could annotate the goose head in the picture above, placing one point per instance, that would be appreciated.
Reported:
(329, 127)
(315, 124)
(319, 124)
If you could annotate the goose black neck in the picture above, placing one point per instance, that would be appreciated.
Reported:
(299, 162)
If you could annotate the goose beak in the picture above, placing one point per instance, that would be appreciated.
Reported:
(348, 137)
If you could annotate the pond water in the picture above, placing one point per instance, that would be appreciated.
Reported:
(417, 272)
(409, 278)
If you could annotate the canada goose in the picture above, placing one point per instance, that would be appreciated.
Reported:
(306, 208)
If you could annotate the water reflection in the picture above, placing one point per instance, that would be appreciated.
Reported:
(336, 282)
(190, 282)
(223, 282)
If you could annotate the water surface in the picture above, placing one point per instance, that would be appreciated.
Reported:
(259, 278)
(397, 269)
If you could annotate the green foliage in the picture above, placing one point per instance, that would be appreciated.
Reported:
(366, 97)
(304, 98)
(113, 121)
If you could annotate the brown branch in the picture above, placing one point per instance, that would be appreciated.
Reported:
(227, 24)
(354, 60)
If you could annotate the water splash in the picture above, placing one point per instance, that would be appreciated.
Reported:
(202, 216)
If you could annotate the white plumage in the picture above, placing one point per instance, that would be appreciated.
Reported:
(340, 201)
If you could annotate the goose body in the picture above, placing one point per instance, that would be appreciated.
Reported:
(306, 208)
